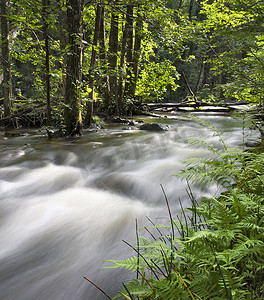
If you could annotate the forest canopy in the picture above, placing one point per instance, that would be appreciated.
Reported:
(65, 60)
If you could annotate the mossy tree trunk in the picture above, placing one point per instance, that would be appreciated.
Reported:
(72, 98)
(127, 44)
(129, 48)
(7, 84)
(45, 8)
(63, 44)
(112, 55)
(89, 105)
(136, 54)
(104, 86)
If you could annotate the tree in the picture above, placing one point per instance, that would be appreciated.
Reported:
(90, 102)
(153, 70)
(103, 82)
(236, 39)
(72, 111)
(36, 51)
(126, 51)
(45, 7)
(113, 55)
(7, 84)
(129, 49)
(127, 55)
(136, 54)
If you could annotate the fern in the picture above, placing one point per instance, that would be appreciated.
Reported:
(225, 169)
(197, 143)
(219, 253)
(247, 250)
(131, 264)
(205, 286)
(136, 288)
(208, 125)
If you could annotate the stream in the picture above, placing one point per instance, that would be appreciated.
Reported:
(66, 205)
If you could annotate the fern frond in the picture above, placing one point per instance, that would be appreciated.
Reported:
(205, 285)
(172, 289)
(143, 241)
(251, 249)
(136, 288)
(208, 125)
(198, 143)
(131, 263)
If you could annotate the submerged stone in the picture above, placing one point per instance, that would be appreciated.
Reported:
(253, 143)
(154, 127)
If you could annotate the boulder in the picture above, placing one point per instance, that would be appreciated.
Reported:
(154, 127)
(120, 121)
(253, 143)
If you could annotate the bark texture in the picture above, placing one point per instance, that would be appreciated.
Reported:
(127, 44)
(89, 112)
(72, 113)
(45, 7)
(7, 84)
(112, 55)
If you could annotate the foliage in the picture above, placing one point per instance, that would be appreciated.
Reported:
(154, 80)
(218, 249)
(236, 39)
(28, 51)
(217, 45)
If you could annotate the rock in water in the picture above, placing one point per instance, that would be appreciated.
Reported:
(253, 143)
(154, 127)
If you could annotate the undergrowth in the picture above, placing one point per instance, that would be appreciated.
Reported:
(214, 249)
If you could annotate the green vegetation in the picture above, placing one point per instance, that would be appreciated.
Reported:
(63, 61)
(214, 249)
(79, 58)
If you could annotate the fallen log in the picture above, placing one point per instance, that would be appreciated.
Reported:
(197, 106)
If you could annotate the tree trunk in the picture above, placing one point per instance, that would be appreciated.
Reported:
(45, 6)
(7, 84)
(136, 56)
(102, 40)
(72, 113)
(104, 85)
(127, 44)
(206, 73)
(189, 87)
(89, 112)
(129, 51)
(63, 44)
(112, 55)
(190, 10)
(199, 79)
(180, 4)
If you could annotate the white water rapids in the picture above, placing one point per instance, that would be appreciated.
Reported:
(65, 206)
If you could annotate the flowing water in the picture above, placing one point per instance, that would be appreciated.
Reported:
(65, 206)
